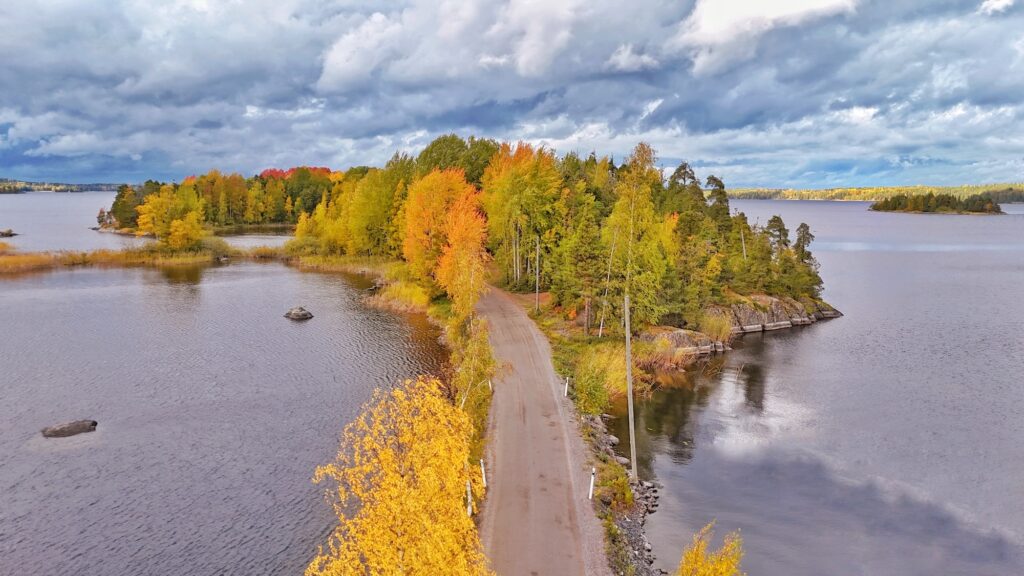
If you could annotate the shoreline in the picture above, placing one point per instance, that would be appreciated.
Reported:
(626, 545)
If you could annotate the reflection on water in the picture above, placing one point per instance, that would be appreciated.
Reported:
(213, 411)
(886, 442)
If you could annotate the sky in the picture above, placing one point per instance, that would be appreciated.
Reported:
(790, 93)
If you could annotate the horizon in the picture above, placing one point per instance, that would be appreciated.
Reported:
(804, 94)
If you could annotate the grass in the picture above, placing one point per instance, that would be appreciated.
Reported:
(402, 296)
(149, 255)
(717, 326)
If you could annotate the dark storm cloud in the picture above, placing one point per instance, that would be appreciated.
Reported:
(794, 93)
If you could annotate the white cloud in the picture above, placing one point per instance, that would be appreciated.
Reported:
(991, 7)
(626, 60)
(356, 55)
(718, 32)
(540, 30)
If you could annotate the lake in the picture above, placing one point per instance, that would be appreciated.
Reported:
(886, 442)
(62, 221)
(213, 412)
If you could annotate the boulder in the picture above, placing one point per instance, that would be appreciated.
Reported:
(8, 233)
(298, 313)
(69, 429)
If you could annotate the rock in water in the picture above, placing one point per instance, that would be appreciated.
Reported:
(298, 313)
(8, 233)
(69, 429)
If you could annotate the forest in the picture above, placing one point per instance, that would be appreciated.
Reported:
(938, 203)
(598, 230)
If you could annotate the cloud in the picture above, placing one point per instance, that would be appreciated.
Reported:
(720, 31)
(796, 93)
(626, 60)
(991, 7)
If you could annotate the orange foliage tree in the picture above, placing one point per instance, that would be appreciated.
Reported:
(460, 269)
(430, 201)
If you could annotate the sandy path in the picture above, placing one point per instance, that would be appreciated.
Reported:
(537, 519)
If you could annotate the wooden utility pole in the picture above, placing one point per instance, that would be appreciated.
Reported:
(629, 393)
(537, 286)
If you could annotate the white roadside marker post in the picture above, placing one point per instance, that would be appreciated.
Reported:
(566, 394)
(593, 472)
(469, 500)
(483, 473)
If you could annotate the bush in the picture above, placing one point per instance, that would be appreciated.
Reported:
(698, 561)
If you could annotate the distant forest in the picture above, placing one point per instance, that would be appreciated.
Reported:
(17, 186)
(996, 192)
(939, 203)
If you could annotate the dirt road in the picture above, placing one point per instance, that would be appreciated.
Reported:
(537, 519)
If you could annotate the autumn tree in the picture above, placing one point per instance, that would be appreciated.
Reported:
(460, 269)
(430, 200)
(174, 216)
(521, 186)
(398, 485)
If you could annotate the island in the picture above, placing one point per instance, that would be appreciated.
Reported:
(931, 203)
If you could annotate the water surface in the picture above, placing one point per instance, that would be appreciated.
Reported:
(213, 412)
(885, 442)
(62, 221)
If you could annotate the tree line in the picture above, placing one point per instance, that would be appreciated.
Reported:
(584, 228)
(941, 203)
(998, 192)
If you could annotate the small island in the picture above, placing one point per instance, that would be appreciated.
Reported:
(931, 203)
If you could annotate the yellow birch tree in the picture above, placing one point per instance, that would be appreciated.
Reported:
(399, 489)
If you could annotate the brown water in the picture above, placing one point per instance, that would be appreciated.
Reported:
(887, 442)
(213, 412)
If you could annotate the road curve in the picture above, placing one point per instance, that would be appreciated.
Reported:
(536, 519)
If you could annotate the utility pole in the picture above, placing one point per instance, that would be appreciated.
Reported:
(629, 393)
(743, 241)
(537, 287)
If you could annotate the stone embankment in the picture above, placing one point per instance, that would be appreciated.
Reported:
(757, 314)
(766, 313)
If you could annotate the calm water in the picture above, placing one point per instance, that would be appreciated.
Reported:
(887, 442)
(213, 412)
(52, 221)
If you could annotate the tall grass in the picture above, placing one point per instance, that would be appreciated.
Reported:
(718, 327)
(403, 296)
(16, 263)
(5, 247)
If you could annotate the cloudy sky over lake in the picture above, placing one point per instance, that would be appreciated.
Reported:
(803, 93)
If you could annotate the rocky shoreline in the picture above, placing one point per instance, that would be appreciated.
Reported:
(630, 523)
(759, 313)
